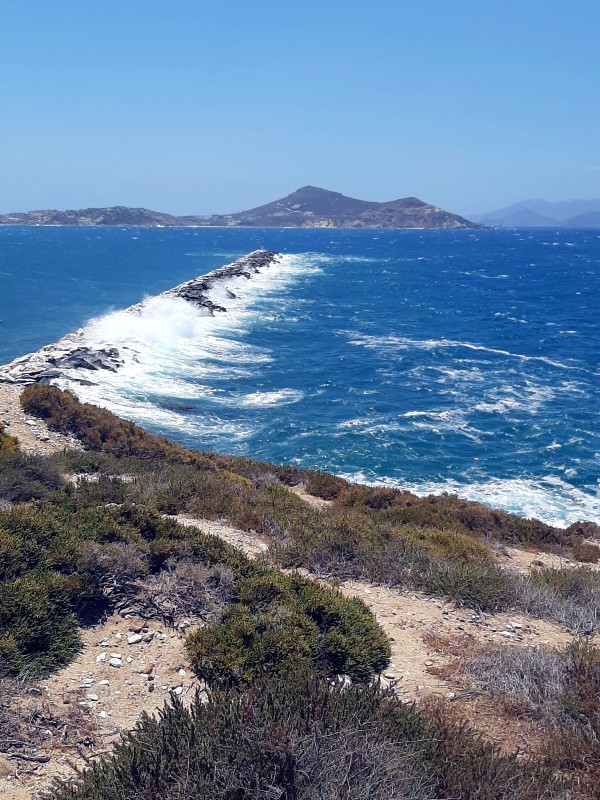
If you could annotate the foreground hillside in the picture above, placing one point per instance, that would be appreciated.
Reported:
(261, 602)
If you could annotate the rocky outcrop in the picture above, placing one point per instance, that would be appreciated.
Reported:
(74, 356)
(198, 290)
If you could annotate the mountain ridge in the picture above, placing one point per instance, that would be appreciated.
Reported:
(544, 214)
(307, 207)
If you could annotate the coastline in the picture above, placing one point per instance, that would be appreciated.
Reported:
(75, 358)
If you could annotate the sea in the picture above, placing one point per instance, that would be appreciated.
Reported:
(437, 361)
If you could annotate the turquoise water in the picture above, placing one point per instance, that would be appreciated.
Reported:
(463, 361)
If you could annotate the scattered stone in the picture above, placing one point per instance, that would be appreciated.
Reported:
(93, 697)
(100, 658)
(115, 662)
(134, 638)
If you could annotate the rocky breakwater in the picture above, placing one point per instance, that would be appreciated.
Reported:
(77, 356)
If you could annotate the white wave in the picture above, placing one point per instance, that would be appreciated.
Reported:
(174, 350)
(438, 422)
(279, 398)
(399, 343)
(549, 499)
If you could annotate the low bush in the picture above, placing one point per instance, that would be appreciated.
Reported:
(38, 632)
(570, 597)
(98, 429)
(8, 444)
(450, 513)
(27, 477)
(284, 622)
(322, 484)
(295, 737)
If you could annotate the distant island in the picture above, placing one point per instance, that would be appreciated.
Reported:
(544, 214)
(309, 207)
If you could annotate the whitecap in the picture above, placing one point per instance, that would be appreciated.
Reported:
(549, 499)
(399, 343)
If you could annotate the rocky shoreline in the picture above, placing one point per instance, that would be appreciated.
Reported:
(73, 352)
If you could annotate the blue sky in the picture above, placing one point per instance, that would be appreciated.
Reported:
(193, 107)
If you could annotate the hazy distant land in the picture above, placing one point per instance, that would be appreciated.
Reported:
(544, 214)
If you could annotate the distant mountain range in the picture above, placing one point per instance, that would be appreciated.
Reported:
(544, 214)
(309, 207)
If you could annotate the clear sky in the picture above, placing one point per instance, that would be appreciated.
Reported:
(197, 107)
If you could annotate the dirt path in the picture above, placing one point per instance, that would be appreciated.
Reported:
(318, 503)
(249, 543)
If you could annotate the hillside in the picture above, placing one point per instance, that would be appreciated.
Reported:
(309, 207)
(247, 607)
(115, 215)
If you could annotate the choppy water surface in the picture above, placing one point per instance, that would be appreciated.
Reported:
(442, 361)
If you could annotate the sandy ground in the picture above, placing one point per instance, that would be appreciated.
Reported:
(114, 697)
(32, 433)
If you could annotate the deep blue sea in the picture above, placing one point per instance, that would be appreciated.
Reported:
(460, 361)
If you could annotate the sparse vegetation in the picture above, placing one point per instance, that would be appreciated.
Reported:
(558, 688)
(73, 557)
(271, 643)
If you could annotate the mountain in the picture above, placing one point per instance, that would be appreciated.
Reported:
(309, 207)
(590, 219)
(542, 214)
(522, 219)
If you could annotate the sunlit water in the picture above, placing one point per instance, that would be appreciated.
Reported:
(441, 361)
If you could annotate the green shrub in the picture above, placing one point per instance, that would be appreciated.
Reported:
(322, 484)
(8, 444)
(37, 629)
(27, 477)
(286, 621)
